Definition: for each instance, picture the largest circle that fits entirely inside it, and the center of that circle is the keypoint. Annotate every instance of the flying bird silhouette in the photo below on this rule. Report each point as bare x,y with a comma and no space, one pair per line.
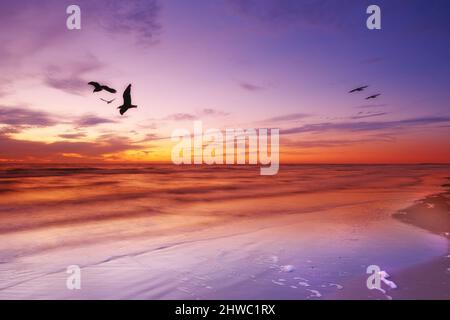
107,101
359,89
98,87
374,96
126,101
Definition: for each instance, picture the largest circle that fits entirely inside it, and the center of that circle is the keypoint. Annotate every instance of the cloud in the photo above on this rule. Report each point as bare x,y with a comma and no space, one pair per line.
366,126
9,130
90,120
133,17
138,17
362,115
23,39
250,87
207,112
19,17
25,43
332,143
71,85
17,116
153,137
368,106
14,149
181,117
72,76
287,117
72,135
213,112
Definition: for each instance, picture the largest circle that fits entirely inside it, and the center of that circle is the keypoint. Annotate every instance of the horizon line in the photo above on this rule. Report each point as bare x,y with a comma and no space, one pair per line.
228,165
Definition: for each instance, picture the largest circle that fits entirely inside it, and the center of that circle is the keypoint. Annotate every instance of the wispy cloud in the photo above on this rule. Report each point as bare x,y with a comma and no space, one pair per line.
250,87
7,130
181,117
18,56
72,135
139,17
21,57
70,85
369,106
72,76
90,120
364,115
153,137
207,112
287,117
366,126
18,116
213,112
333,143
23,149
134,17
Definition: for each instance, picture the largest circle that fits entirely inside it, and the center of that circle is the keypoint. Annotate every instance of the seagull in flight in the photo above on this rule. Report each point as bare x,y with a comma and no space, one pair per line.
359,89
107,101
98,87
374,96
126,101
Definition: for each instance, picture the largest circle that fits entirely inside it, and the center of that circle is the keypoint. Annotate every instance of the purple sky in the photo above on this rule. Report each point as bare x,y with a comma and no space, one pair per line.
248,63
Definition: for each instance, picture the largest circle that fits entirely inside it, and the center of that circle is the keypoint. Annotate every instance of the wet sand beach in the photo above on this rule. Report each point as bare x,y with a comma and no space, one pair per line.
167,232
430,280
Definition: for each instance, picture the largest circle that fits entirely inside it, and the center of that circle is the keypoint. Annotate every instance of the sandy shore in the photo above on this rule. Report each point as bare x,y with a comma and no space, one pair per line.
429,280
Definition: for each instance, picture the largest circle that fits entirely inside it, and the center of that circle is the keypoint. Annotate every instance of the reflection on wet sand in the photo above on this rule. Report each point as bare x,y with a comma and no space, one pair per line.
140,231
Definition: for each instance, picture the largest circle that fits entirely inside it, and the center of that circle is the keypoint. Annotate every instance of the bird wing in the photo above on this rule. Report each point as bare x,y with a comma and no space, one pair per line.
127,96
111,90
358,89
95,84
122,110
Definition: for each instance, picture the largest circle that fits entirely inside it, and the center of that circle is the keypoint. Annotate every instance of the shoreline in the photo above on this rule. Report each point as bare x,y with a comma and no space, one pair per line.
432,279
431,213
429,280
